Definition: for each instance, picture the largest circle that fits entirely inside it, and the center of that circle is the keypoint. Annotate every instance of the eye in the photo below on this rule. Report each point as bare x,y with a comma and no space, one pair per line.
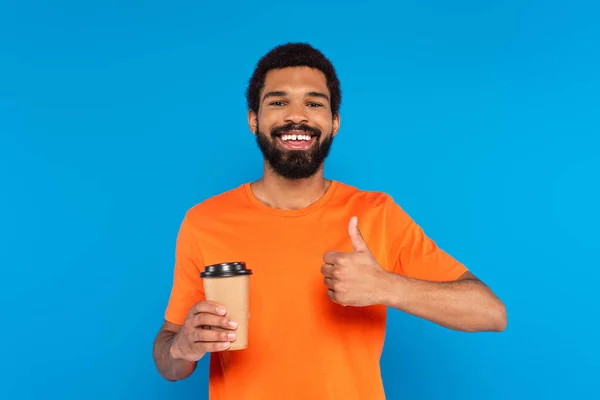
315,104
276,103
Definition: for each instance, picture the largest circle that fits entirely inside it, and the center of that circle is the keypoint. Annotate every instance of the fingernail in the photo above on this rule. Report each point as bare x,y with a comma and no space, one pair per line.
231,336
225,345
233,324
221,310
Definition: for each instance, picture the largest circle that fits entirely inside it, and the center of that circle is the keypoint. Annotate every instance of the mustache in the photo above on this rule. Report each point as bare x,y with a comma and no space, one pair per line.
280,130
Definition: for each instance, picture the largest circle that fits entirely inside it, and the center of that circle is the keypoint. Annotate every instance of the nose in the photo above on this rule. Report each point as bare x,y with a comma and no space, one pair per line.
296,113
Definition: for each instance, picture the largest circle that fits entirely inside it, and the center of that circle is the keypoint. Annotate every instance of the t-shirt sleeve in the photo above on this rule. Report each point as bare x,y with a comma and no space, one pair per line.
415,255
187,287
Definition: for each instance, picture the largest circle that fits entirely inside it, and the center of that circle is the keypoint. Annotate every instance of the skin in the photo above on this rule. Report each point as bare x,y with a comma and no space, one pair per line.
296,106
350,279
356,279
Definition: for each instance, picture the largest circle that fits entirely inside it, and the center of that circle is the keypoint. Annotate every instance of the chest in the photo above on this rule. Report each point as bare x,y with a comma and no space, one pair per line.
287,249
286,255
288,300
285,258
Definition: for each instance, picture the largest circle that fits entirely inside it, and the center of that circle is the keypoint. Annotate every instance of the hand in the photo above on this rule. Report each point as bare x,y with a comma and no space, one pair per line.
355,278
205,330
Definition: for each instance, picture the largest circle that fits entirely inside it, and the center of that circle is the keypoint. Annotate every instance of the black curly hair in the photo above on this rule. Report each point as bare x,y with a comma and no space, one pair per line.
293,55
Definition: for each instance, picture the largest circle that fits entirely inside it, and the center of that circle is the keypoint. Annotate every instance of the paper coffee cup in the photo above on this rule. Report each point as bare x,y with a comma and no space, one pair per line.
228,284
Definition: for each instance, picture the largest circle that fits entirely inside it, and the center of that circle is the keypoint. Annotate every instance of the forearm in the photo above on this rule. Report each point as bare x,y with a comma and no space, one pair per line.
167,363
465,305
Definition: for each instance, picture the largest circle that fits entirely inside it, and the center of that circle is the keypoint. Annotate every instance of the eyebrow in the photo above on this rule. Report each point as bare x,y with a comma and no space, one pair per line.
281,93
318,94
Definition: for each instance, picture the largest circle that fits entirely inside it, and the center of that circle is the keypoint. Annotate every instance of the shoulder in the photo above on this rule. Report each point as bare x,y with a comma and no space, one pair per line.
216,205
378,204
366,198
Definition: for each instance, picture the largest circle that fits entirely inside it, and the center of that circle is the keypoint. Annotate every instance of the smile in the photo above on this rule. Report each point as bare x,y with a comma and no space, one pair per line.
296,141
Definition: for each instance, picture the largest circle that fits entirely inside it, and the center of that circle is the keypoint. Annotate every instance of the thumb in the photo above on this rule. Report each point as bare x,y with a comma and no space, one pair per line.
358,242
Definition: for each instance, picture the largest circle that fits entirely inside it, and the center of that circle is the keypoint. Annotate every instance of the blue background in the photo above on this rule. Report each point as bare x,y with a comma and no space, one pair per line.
480,118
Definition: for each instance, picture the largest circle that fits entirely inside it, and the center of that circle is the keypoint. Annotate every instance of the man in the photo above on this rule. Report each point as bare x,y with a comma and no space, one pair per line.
327,259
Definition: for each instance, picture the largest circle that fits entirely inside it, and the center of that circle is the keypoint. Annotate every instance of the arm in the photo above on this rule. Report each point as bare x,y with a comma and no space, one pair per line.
185,292
186,334
430,283
423,282
169,367
466,304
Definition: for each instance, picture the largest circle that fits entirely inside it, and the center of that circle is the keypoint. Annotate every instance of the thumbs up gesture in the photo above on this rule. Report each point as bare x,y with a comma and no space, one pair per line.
354,278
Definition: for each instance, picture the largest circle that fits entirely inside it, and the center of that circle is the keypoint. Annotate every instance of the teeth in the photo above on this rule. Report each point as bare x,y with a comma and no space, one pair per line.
295,137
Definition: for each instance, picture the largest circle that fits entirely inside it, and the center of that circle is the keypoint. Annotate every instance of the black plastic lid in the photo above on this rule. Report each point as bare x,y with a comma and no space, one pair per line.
224,270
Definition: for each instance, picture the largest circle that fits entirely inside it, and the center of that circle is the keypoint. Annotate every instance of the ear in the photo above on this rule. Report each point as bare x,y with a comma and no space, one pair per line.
252,122
336,124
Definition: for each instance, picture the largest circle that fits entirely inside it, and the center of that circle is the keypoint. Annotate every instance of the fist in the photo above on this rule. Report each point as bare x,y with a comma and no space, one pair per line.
206,329
354,278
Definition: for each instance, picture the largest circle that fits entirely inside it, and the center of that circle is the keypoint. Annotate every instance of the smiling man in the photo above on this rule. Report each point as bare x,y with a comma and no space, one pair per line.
328,259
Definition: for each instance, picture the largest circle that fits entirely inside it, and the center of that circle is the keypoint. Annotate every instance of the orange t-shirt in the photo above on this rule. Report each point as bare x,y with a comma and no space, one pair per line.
301,344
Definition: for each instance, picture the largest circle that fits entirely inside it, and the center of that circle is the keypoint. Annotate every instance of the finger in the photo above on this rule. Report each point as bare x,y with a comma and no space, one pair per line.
212,347
327,270
214,321
331,295
209,307
328,282
358,242
209,335
331,257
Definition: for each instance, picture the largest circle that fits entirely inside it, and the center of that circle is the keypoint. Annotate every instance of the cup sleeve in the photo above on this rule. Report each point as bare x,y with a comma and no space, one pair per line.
413,254
187,288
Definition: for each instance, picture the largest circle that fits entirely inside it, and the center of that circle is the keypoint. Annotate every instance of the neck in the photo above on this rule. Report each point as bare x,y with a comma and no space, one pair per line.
285,194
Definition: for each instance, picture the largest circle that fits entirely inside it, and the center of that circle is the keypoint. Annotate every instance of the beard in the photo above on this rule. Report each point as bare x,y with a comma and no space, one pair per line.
294,164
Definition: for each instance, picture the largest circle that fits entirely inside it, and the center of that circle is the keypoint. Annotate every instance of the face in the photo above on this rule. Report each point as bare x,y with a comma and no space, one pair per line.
295,126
